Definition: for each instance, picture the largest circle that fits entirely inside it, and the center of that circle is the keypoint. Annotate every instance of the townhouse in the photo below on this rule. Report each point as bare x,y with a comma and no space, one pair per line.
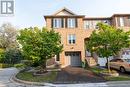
75,30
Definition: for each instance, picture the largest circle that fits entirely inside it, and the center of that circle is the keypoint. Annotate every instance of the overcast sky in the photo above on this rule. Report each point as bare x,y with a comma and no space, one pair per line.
31,12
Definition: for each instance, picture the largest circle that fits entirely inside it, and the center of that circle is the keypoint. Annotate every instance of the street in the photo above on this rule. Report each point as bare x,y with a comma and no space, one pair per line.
5,76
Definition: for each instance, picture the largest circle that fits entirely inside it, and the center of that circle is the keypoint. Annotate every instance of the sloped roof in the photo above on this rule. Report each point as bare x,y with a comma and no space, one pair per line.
66,10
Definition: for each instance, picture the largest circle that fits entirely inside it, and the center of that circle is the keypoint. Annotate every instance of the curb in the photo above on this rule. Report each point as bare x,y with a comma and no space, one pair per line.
118,82
26,82
14,79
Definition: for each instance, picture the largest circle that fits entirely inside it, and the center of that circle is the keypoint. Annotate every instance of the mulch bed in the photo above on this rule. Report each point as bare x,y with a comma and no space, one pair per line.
77,75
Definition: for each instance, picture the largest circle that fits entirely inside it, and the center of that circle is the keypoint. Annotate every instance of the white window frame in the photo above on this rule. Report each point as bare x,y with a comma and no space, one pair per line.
71,22
57,23
86,24
71,38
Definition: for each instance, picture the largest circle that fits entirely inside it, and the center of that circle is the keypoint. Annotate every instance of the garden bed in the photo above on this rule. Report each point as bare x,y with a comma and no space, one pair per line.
28,76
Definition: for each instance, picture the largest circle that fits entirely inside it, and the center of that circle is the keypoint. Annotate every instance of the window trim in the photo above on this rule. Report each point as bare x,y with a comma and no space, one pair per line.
71,39
57,22
71,23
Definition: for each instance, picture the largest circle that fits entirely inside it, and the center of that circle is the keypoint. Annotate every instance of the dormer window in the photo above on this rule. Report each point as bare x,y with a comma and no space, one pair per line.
71,22
57,23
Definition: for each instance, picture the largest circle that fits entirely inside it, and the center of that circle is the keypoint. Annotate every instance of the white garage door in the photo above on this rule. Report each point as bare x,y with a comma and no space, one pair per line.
72,59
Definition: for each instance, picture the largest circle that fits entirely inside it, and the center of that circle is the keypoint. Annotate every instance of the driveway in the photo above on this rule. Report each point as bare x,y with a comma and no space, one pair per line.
77,75
6,74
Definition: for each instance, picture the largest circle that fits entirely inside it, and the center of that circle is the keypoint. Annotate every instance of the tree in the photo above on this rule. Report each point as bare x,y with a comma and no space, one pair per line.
108,41
8,41
8,35
39,44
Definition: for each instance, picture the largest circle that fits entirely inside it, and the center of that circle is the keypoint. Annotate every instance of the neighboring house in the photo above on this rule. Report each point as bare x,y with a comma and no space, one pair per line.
75,30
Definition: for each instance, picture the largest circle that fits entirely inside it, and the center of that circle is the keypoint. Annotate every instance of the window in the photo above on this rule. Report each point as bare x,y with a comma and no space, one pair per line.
57,23
71,38
121,21
86,24
71,22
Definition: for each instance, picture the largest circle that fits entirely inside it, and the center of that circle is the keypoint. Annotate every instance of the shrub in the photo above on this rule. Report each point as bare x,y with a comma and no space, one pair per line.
12,56
2,51
27,62
3,65
20,65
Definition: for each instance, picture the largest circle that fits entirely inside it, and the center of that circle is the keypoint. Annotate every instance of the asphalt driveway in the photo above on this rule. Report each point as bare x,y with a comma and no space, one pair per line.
77,75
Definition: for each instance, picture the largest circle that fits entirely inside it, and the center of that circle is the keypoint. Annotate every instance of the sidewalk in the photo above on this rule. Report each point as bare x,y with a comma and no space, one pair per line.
118,83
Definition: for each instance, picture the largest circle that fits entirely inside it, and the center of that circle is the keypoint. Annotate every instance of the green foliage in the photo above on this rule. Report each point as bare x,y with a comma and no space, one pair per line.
2,51
20,65
3,65
39,44
27,62
12,56
108,41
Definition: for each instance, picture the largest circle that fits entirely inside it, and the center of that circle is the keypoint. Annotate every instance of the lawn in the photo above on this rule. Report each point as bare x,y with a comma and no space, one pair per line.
28,76
119,78
97,71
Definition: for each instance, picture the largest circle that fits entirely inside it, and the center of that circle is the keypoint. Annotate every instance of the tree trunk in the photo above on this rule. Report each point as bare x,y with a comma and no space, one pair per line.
108,66
43,67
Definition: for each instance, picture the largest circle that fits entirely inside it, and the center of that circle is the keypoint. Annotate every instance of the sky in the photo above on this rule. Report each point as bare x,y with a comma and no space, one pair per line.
30,13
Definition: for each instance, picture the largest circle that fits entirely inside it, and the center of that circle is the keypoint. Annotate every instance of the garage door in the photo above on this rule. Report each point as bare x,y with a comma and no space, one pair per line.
72,59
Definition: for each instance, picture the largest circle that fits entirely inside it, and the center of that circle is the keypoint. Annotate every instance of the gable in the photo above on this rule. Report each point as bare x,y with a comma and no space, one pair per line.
64,11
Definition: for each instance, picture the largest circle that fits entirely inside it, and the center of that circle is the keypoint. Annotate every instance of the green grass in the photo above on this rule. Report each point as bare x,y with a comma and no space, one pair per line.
119,78
97,71
28,76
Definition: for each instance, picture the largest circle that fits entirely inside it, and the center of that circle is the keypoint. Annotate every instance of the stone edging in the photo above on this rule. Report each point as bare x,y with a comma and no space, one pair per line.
14,79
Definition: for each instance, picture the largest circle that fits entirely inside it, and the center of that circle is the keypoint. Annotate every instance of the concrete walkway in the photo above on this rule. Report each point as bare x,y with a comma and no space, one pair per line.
6,74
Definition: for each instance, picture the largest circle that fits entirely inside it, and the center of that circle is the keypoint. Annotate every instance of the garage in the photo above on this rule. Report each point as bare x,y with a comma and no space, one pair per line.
72,59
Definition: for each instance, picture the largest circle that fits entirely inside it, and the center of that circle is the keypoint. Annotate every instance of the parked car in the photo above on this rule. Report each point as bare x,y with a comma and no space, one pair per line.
120,64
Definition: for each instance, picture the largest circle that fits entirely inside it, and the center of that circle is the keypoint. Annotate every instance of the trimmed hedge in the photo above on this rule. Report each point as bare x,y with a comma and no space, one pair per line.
3,65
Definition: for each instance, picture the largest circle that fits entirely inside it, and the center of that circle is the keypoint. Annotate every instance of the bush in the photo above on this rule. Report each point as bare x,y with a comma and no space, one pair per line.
12,56
2,51
3,65
20,65
27,62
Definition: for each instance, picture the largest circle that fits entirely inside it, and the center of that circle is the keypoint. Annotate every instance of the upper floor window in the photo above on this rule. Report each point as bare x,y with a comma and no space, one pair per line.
71,22
57,23
86,24
71,38
90,24
121,21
